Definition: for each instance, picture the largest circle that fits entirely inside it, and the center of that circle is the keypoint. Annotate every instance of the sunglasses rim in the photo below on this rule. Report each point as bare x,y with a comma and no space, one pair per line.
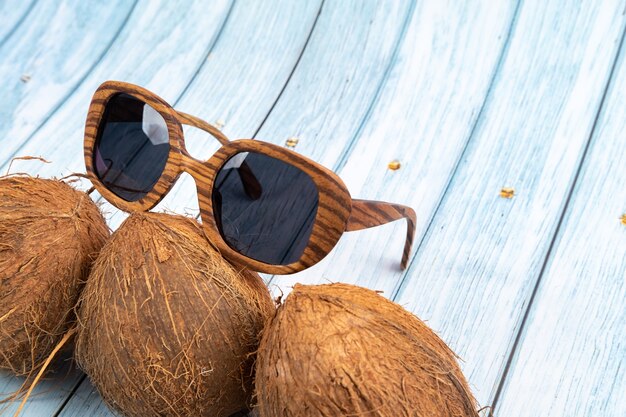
334,200
165,182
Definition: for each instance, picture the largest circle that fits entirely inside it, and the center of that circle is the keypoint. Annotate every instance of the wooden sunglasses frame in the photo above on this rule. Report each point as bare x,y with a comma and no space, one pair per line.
337,212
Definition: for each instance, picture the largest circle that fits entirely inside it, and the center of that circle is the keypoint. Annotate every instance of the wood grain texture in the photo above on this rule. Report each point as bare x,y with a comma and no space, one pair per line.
331,217
366,214
12,14
423,118
43,63
571,358
338,78
478,263
333,202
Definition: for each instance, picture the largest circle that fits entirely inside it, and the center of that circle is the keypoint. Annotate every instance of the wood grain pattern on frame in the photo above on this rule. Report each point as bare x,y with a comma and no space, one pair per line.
334,213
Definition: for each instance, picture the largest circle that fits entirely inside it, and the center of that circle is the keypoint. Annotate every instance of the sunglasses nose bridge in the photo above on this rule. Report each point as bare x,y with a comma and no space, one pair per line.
198,169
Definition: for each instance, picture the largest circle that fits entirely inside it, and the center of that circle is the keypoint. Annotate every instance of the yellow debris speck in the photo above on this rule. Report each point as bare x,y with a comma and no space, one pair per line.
623,219
394,165
291,142
507,192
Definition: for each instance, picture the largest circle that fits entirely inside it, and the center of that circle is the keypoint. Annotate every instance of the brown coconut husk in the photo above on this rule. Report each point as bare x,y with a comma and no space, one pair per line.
341,350
167,326
50,234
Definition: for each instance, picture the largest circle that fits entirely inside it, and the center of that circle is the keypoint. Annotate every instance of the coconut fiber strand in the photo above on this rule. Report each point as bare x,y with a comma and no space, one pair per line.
49,235
167,326
340,350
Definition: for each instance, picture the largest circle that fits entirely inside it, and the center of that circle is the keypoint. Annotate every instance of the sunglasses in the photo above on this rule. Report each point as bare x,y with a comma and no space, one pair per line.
262,206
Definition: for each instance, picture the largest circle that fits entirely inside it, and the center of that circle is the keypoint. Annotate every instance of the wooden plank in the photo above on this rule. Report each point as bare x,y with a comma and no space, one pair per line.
480,258
86,401
240,81
571,358
423,117
151,50
49,393
137,55
47,57
12,14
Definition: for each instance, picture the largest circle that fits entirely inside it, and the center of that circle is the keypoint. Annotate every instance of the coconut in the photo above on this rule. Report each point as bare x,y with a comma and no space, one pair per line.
167,326
49,235
341,350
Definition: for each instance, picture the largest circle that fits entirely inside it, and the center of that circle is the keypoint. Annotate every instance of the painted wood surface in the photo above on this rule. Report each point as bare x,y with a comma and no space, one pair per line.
558,63
481,256
13,13
571,358
43,63
168,58
469,97
49,395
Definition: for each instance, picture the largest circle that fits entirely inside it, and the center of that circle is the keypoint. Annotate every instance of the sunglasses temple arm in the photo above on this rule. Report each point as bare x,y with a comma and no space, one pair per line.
251,185
366,214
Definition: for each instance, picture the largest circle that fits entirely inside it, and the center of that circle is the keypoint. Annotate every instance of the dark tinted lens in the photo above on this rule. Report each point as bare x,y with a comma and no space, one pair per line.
132,147
264,207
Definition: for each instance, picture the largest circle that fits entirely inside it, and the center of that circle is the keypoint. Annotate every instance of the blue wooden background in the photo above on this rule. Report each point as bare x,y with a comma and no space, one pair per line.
469,96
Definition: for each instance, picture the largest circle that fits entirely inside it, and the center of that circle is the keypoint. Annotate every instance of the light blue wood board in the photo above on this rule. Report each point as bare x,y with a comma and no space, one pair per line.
86,402
475,272
535,123
481,256
12,14
339,77
41,64
240,82
571,358
48,395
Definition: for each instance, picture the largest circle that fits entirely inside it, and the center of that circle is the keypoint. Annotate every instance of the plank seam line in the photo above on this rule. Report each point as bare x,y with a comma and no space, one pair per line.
75,87
522,328
210,48
17,24
479,119
67,399
347,151
293,70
